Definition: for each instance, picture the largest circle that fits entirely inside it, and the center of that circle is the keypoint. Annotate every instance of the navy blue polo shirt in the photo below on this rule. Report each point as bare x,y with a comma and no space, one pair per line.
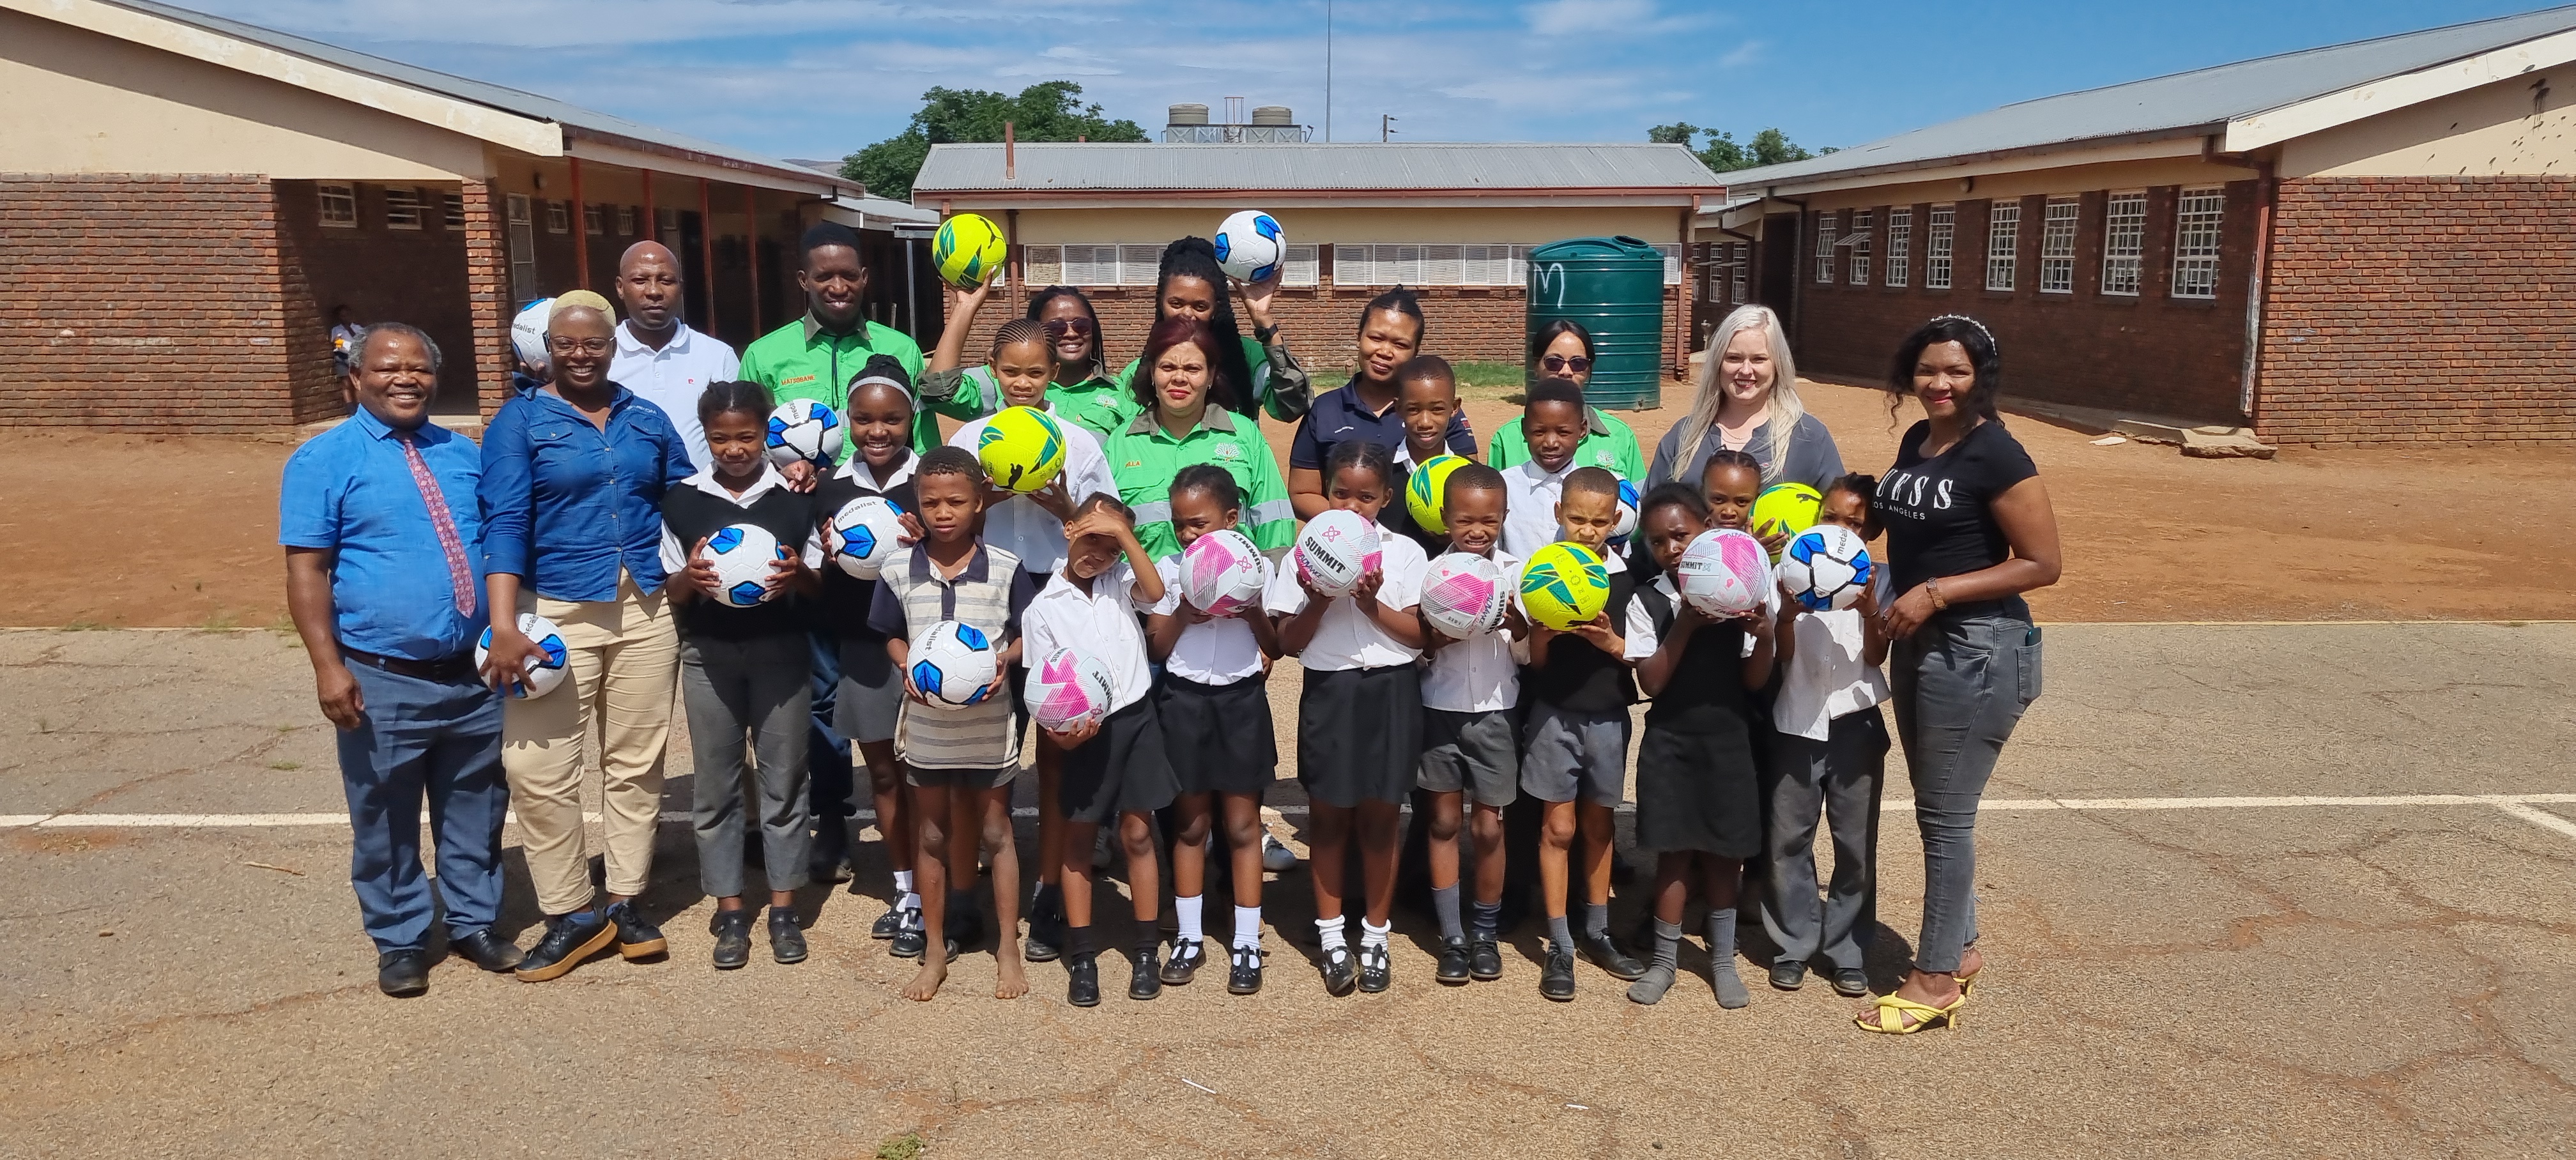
1338,416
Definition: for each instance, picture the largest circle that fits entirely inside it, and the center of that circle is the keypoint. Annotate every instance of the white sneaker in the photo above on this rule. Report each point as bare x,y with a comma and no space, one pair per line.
1276,858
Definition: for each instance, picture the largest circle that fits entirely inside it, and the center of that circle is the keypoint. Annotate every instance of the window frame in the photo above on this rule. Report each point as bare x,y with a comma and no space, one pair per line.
558,216
1896,272
625,221
1739,272
520,229
2057,237
2198,259
451,210
2118,258
1941,226
404,209
2003,245
594,219
342,193
1827,224
1864,224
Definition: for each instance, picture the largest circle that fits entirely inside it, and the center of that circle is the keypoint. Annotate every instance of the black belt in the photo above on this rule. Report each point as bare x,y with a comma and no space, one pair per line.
455,670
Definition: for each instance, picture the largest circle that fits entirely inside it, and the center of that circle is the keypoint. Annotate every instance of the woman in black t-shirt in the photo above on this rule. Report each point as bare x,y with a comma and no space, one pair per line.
1969,529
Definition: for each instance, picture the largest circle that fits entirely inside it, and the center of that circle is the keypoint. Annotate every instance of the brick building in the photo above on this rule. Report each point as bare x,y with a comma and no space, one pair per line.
2364,244
184,199
1453,221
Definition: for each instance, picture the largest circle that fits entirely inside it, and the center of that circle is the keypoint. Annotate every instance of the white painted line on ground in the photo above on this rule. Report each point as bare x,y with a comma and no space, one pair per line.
2541,818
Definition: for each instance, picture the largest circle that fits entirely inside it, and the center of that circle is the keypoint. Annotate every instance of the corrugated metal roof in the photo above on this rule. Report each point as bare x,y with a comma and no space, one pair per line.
2197,101
456,87
1407,166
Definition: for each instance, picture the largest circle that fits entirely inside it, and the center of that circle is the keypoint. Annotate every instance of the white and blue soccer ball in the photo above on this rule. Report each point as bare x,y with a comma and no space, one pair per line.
807,430
543,672
742,554
1250,246
863,534
1825,567
951,664
1627,525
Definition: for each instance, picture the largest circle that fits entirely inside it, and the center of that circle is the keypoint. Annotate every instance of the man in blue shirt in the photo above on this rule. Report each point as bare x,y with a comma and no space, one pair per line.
384,573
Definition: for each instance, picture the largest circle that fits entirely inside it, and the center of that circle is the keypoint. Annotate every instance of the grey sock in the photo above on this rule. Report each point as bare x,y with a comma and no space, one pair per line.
1721,960
1650,987
1559,938
1444,900
1596,920
1489,919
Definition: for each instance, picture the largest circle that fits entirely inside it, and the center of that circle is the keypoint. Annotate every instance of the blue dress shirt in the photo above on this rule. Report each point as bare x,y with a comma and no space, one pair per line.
566,504
350,489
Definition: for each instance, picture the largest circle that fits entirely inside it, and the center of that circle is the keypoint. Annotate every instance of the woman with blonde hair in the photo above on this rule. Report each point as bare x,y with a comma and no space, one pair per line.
1748,401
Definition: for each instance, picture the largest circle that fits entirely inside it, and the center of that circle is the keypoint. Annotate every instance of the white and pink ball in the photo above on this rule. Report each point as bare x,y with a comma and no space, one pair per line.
1336,549
1723,572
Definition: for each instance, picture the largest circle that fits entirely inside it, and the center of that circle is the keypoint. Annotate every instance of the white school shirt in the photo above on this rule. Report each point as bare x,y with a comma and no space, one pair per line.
1348,638
673,377
1101,624
675,555
1479,674
1211,652
1018,523
1529,515
1827,678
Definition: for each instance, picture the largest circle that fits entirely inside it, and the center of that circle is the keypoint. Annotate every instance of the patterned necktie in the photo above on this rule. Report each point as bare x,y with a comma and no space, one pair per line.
459,573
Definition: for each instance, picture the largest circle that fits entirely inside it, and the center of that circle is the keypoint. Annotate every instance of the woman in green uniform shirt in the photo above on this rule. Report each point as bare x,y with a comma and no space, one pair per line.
1563,350
1265,376
1187,417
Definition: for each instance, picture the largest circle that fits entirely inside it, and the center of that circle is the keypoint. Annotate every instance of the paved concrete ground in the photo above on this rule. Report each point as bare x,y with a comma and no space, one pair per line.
2267,976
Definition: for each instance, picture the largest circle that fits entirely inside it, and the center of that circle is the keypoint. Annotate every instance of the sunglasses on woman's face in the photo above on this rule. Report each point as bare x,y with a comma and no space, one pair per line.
1068,328
1558,364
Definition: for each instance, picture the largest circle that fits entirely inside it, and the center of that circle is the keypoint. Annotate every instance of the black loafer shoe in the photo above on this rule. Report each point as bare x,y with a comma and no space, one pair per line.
1082,980
1376,971
732,929
487,950
1788,974
965,932
1046,935
569,939
403,974
636,938
1147,979
1037,949
1453,962
1605,954
1243,975
887,925
786,942
1556,977
1484,960
1850,982
1339,973
909,937
1188,955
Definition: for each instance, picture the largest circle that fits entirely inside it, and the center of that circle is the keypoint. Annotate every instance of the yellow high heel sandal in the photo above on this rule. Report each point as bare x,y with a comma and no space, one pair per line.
1968,982
1890,1015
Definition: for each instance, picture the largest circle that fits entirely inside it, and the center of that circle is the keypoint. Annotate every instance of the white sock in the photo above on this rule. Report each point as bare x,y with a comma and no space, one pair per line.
1372,935
1247,927
903,883
1330,930
1188,911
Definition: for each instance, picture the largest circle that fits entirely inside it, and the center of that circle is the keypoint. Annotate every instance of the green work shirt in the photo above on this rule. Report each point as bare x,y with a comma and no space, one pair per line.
1096,403
1606,443
1143,458
801,360
1279,385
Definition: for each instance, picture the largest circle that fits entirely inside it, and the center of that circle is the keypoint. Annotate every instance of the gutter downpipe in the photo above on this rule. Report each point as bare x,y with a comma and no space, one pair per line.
2267,191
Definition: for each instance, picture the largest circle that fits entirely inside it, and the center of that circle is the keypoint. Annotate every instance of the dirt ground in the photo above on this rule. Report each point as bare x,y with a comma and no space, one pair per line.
2150,535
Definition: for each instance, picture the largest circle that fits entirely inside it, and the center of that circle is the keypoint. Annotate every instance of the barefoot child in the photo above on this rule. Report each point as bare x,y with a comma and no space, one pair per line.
1471,738
1114,768
1359,719
959,761
1214,704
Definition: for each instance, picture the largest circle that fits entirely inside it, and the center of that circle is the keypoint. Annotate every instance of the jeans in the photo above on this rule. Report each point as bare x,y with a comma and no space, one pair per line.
748,695
424,739
1840,778
1961,683
833,798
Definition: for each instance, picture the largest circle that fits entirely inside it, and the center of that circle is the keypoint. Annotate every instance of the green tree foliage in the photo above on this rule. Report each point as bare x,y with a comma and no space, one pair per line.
1047,111
1724,153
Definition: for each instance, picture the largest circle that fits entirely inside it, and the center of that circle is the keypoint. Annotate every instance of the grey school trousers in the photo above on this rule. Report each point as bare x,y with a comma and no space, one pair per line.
1840,778
749,698
1961,683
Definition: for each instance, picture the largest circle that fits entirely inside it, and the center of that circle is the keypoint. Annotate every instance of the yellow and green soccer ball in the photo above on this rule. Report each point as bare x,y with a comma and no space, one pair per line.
1022,449
967,250
1564,584
1785,509
1426,490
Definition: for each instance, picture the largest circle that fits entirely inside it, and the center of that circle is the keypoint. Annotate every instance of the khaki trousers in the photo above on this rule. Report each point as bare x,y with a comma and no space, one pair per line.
624,657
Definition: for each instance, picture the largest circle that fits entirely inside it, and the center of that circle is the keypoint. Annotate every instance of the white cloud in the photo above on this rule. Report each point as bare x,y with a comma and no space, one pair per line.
1742,54
1561,17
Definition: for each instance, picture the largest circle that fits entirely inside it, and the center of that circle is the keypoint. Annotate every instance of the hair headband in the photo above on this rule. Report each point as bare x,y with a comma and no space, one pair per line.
887,380
1981,327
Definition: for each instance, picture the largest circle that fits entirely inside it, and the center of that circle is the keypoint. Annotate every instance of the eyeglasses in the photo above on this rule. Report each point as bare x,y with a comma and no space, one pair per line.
1068,328
594,346
1558,364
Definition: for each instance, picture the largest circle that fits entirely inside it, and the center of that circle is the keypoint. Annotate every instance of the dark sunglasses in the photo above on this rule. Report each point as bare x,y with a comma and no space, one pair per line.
1068,328
1559,364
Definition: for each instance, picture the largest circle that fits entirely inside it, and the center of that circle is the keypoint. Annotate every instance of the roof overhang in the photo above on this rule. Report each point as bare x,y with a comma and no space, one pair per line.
611,149
2318,114
1320,198
2157,146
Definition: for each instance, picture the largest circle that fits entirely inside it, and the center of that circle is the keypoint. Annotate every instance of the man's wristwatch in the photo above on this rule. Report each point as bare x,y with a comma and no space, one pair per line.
1263,334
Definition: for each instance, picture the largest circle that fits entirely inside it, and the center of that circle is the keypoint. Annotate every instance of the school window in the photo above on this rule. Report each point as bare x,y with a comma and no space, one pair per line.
452,208
339,205
594,219
2003,246
626,221
402,208
1900,245
1399,264
558,218
1825,223
2124,242
1672,252
2057,248
2195,273
1735,271
523,247
1858,244
1303,267
1937,231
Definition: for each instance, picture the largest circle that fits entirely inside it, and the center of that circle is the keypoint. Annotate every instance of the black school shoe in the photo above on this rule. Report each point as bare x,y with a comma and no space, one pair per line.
1082,980
569,939
1339,975
1484,960
487,950
636,938
1605,954
1243,976
786,942
1850,982
1454,968
1556,976
403,974
1045,942
1146,981
887,925
1376,970
1188,955
732,929
1788,974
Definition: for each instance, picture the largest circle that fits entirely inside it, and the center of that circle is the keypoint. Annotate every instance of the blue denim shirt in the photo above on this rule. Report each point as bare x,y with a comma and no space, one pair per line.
350,490
566,504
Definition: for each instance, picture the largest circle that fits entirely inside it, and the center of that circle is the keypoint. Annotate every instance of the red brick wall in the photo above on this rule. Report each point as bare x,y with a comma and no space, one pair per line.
149,303
2420,310
487,294
382,274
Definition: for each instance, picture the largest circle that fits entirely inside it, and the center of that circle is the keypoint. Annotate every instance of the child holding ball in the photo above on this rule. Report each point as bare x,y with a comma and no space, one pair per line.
1471,737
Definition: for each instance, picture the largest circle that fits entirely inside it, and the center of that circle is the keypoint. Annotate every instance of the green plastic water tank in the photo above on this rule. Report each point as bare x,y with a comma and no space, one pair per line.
1615,288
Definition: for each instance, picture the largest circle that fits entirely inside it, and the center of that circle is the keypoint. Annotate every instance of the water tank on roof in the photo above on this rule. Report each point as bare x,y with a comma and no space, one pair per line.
1615,287
1188,115
1273,115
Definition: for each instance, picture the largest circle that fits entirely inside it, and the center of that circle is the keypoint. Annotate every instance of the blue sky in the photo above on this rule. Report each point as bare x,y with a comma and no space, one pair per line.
819,78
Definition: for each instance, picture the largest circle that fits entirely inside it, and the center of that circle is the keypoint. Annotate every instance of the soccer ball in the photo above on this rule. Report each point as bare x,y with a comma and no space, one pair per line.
1785,509
1723,572
802,429
1068,689
528,331
1564,584
1827,566
863,534
1022,449
742,554
1249,246
1464,595
1627,525
967,250
951,662
544,673
1336,549
1221,572
1426,491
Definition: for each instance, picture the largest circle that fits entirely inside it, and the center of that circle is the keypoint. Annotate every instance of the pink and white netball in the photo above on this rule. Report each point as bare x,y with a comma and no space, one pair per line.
1069,689
1336,549
1465,595
1221,572
1723,572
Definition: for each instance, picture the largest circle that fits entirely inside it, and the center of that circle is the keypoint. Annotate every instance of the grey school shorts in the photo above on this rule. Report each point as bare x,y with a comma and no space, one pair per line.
928,777
1567,754
1475,753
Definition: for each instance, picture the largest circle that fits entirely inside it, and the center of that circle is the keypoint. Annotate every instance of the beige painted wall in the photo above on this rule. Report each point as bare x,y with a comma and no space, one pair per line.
1515,226
79,102
2522,127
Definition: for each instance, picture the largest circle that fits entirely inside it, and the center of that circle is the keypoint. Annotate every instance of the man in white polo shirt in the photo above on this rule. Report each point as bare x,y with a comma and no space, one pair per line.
660,357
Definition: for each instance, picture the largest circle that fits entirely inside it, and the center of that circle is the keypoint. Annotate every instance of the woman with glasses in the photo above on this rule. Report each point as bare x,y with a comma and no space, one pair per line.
573,476
1563,350
1748,401
1190,284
